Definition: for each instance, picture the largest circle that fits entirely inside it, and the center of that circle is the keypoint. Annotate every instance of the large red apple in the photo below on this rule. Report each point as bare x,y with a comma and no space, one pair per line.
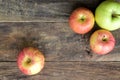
30,61
102,42
81,20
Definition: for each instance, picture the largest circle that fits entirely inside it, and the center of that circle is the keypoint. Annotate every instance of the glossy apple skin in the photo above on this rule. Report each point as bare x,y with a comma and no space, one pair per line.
104,18
36,63
77,24
102,42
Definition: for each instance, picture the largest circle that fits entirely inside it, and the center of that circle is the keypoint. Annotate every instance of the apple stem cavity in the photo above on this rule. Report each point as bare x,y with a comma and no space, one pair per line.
82,18
104,38
28,61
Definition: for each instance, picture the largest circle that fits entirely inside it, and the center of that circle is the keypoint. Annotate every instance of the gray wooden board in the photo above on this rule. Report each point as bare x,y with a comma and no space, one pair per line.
44,24
41,10
56,40
65,71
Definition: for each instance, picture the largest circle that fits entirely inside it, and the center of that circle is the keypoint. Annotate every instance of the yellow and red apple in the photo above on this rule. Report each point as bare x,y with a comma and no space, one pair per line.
102,42
30,61
81,20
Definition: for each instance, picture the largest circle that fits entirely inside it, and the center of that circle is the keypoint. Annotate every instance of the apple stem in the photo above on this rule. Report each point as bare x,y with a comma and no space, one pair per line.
115,15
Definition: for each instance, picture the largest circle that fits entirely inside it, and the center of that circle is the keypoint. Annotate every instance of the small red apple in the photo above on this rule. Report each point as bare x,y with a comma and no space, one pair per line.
30,61
81,20
102,42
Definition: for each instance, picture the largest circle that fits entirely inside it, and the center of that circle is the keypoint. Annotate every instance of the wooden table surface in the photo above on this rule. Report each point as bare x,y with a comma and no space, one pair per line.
44,24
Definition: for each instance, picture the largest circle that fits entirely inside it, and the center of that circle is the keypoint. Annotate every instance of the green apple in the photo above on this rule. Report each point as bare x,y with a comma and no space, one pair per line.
107,15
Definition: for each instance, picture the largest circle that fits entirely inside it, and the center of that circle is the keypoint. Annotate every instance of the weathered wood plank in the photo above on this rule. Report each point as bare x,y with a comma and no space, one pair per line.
56,40
41,10
65,71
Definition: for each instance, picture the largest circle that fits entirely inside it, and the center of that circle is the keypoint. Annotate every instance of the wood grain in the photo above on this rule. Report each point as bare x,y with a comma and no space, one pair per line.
44,24
65,71
41,10
56,40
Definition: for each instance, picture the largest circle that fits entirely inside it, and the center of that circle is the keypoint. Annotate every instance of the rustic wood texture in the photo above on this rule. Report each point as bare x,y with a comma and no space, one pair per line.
65,71
56,40
41,10
44,24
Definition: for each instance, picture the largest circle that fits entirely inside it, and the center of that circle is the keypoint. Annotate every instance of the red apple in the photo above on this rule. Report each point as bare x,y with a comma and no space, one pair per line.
30,61
102,42
81,20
